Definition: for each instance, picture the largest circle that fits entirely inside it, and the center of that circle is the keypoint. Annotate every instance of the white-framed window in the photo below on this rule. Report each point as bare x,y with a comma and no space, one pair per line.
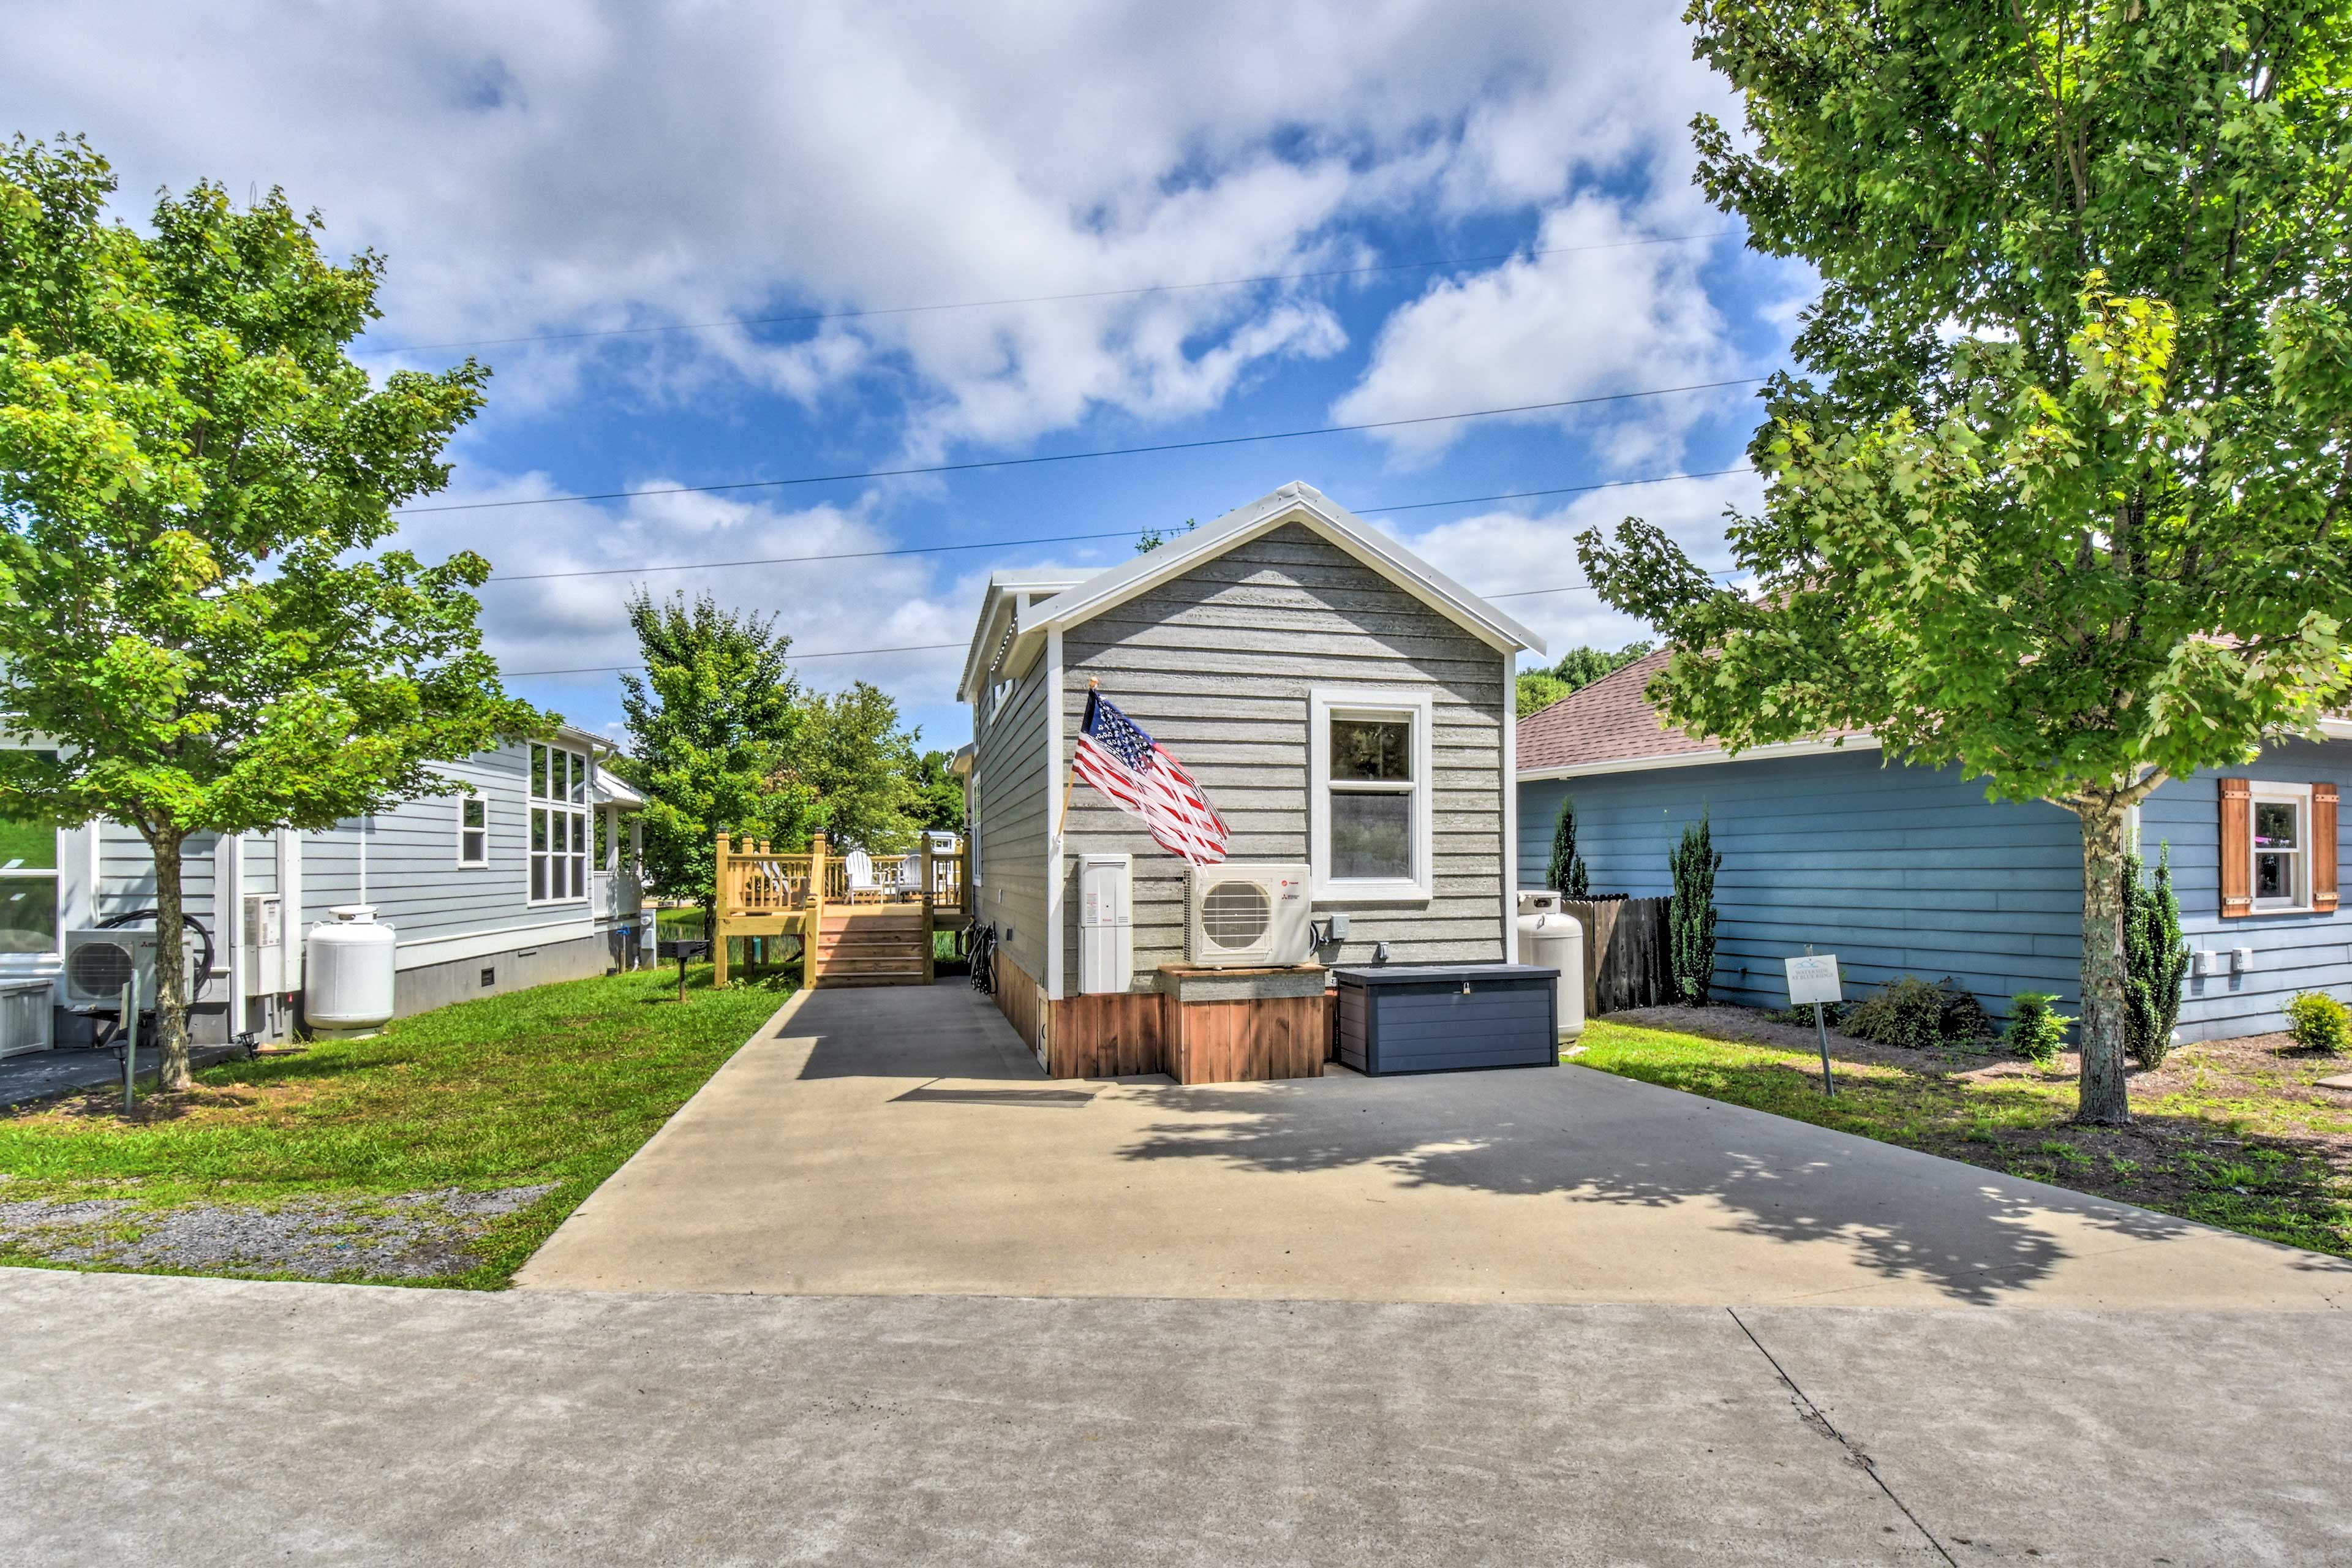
559,825
2279,858
1371,795
472,830
29,887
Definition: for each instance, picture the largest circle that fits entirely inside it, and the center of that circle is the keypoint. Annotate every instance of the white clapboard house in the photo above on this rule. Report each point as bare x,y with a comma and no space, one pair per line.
530,878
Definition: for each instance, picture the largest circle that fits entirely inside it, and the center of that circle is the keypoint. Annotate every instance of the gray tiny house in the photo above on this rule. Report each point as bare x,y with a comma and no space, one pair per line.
1242,648
1901,869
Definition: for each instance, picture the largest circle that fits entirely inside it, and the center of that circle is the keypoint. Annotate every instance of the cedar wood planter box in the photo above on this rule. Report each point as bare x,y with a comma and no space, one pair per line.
1448,1017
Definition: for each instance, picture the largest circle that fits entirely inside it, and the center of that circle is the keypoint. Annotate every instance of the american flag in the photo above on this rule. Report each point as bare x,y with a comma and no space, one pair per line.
1141,779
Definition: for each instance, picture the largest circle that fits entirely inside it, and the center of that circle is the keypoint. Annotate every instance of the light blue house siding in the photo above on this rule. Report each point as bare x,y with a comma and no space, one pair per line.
1907,870
2291,952
1897,870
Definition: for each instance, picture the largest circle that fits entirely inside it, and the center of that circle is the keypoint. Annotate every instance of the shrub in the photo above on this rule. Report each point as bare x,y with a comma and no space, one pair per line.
2036,1028
2155,959
1909,1011
1690,914
2319,1021
1566,875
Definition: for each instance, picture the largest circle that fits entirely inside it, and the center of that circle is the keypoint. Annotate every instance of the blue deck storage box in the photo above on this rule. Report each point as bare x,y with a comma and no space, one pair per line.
1398,1019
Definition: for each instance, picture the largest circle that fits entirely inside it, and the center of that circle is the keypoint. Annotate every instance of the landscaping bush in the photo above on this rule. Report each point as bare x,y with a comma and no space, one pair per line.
2036,1029
2318,1022
1566,875
2155,959
1909,1011
1690,914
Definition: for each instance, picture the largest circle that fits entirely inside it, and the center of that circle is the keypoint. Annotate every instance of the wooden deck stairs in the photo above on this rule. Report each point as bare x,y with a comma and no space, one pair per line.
874,944
875,930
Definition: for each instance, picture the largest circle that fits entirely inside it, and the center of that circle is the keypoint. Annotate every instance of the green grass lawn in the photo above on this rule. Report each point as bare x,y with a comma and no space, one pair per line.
2232,1133
558,1085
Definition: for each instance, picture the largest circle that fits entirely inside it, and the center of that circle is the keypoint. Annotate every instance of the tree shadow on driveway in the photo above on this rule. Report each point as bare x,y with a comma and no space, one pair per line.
1587,1139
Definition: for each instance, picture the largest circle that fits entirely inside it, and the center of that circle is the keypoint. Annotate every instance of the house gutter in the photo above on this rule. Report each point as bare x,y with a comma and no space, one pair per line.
1863,743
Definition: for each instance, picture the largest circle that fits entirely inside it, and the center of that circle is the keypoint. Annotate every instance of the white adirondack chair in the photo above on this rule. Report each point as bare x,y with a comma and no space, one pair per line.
858,866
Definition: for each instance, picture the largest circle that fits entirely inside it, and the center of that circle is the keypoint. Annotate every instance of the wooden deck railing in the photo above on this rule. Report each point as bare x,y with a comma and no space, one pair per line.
762,893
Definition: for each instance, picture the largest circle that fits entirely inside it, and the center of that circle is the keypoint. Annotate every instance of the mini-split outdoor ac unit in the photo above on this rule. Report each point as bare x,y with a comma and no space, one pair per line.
1238,914
98,964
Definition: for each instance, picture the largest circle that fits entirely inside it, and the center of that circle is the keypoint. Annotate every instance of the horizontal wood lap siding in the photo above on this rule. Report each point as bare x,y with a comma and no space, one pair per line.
1217,665
2296,952
1897,870
1009,804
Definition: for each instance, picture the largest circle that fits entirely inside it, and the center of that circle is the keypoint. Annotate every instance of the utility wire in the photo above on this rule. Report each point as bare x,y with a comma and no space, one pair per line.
1070,537
1099,452
939,646
1038,298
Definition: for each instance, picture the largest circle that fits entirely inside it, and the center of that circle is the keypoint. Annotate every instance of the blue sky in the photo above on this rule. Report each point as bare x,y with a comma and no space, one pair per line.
573,169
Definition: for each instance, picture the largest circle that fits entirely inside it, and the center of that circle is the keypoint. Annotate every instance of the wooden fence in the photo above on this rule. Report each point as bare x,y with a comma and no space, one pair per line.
764,892
1625,952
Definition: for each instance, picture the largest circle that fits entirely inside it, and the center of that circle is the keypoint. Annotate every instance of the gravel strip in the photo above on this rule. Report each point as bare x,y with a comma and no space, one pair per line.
409,1235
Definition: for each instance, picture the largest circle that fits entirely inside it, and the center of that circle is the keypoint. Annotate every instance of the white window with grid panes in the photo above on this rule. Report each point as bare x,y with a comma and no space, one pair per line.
559,825
472,830
2279,816
1370,796
28,887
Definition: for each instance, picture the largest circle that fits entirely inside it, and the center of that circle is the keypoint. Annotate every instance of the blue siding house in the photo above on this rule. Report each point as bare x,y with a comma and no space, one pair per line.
1901,869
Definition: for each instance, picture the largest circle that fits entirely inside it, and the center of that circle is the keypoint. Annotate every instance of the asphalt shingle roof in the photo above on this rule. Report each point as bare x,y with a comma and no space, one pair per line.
1609,720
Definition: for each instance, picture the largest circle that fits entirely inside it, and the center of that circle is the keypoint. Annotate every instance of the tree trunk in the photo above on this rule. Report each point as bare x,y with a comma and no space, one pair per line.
2104,1099
171,973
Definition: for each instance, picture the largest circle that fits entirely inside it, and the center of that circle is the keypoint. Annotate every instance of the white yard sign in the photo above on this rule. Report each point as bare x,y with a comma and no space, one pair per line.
1813,978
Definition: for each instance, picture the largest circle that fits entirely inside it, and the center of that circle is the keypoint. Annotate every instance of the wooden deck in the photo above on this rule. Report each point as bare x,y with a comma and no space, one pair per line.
875,927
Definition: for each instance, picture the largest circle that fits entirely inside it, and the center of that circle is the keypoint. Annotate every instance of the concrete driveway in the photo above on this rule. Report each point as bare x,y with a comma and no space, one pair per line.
902,1142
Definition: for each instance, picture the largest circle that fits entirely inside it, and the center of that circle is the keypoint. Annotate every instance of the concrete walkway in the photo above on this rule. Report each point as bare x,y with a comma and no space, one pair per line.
198,1422
892,1141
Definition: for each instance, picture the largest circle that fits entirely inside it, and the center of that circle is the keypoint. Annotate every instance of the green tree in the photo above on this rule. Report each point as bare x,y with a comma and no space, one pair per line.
713,726
1153,537
1578,668
2156,958
191,471
1566,874
859,768
939,802
1690,913
2061,500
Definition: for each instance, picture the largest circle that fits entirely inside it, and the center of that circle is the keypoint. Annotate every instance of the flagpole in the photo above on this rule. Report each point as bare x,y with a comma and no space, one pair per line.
1070,784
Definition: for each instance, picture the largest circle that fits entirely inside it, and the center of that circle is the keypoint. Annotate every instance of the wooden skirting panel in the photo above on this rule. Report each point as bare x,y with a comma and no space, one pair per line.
1107,1037
1245,1042
1017,999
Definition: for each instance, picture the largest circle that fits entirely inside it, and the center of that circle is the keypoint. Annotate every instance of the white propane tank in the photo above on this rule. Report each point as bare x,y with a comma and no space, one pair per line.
348,973
1550,938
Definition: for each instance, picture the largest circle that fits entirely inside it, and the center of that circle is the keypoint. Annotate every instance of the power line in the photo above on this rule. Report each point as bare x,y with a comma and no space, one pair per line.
939,646
805,316
1070,537
1099,452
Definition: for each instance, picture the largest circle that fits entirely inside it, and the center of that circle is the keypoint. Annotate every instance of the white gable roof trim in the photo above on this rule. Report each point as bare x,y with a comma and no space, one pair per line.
1294,502
1000,617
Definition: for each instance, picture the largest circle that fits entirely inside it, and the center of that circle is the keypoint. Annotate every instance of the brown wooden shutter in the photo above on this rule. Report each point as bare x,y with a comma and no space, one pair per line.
2322,848
2237,849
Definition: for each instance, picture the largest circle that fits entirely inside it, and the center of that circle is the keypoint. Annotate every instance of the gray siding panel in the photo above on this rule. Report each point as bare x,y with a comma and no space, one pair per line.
1218,665
1011,801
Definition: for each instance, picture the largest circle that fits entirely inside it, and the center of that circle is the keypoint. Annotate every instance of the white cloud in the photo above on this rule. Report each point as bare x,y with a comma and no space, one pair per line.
1506,553
551,165
1549,328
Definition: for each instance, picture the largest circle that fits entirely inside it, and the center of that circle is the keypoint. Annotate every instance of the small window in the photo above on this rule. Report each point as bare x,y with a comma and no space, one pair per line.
1370,801
2280,819
473,831
28,885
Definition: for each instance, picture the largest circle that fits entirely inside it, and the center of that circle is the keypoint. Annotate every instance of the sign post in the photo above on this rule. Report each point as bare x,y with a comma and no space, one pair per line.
1814,979
130,1040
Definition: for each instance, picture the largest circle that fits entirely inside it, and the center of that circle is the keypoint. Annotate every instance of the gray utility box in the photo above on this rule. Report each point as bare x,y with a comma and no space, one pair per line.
1447,1017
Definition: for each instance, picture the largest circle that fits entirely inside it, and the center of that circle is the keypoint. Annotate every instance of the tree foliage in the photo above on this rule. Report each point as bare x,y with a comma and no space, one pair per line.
1578,668
939,794
2156,958
2061,498
195,478
859,768
1566,874
1690,913
712,726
